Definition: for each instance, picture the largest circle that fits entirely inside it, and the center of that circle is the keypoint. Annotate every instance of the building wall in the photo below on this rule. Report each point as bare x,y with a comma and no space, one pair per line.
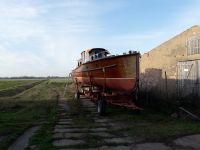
158,66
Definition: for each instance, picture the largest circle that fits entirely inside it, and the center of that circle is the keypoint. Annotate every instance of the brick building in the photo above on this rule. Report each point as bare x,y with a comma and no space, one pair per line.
173,68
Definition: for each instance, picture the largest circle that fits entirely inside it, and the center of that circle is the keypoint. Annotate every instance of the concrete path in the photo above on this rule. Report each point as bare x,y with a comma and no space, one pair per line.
1,138
188,142
103,136
22,142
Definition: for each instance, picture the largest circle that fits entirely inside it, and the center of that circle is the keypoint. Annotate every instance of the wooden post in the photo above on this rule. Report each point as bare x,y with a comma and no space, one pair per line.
166,86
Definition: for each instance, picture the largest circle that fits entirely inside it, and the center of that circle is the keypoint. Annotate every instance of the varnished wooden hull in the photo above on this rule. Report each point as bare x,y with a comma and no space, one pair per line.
117,72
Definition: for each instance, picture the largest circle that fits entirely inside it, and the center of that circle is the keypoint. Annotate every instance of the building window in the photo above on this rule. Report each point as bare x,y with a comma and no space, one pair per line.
193,45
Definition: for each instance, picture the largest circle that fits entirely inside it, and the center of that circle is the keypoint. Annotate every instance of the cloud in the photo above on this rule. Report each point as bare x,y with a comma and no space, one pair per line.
18,12
58,35
18,21
46,37
14,63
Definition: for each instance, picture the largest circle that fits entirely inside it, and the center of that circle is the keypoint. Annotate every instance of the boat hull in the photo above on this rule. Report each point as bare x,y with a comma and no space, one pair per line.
117,72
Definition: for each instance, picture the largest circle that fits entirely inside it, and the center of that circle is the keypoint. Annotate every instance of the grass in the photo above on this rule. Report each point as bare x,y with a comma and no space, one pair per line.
43,137
152,126
17,89
60,80
33,106
39,105
5,84
148,125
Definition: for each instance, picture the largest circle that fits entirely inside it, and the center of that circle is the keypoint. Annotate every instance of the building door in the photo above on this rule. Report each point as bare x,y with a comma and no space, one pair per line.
188,78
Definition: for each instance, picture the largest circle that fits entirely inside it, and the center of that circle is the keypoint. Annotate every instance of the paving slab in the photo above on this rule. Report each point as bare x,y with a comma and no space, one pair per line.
183,148
101,126
61,109
102,120
65,122
67,142
102,134
81,149
91,114
67,135
95,113
58,135
64,106
33,147
74,135
112,124
89,110
1,138
192,141
77,130
99,129
115,148
63,114
119,140
104,124
151,146
88,103
66,126
88,107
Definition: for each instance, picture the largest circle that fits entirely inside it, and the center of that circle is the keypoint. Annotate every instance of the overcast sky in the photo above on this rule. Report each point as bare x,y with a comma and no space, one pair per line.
46,37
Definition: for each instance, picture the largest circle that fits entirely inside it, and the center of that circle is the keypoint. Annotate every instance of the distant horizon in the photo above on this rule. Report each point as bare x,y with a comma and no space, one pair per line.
45,38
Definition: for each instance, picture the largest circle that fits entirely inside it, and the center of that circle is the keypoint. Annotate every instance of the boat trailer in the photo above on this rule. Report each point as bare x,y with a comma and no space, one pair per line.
103,97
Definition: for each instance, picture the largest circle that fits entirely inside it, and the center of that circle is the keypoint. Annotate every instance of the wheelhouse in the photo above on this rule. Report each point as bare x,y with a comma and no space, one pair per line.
93,54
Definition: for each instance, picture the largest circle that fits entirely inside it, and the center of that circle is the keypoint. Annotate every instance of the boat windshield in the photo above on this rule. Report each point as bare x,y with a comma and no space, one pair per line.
98,55
93,54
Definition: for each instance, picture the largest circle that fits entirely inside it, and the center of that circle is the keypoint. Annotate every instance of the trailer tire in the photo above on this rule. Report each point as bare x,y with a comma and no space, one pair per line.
77,95
101,106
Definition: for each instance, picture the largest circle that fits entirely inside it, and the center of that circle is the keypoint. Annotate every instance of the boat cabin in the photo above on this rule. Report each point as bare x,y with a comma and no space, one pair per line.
92,54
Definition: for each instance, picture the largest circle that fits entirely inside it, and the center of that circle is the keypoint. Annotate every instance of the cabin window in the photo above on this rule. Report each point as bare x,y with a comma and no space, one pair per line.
193,45
79,63
96,54
83,56
100,55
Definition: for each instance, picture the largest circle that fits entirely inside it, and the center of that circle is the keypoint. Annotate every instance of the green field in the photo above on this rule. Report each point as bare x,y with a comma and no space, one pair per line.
33,106
6,84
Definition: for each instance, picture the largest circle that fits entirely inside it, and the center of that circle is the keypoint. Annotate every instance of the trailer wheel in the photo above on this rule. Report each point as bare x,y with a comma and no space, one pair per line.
77,95
101,106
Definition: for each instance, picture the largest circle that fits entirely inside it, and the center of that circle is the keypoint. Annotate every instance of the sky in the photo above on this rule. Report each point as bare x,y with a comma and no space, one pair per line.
46,37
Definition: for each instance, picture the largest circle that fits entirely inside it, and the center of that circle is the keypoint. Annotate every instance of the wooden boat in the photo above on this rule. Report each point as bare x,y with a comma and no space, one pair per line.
110,74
